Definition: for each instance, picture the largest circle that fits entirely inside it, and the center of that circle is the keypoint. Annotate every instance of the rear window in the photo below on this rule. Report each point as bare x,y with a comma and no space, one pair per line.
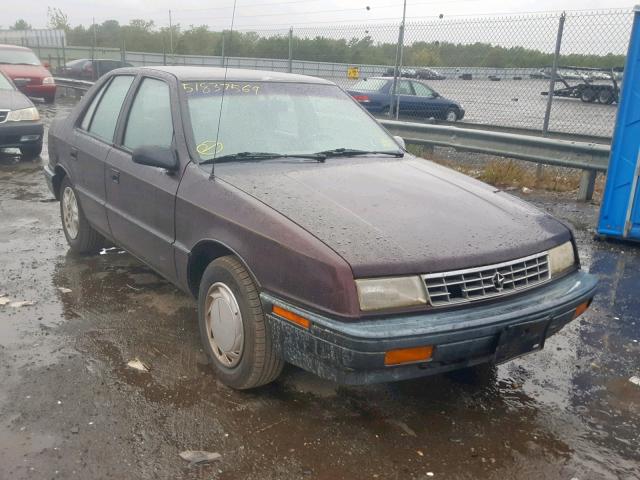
371,85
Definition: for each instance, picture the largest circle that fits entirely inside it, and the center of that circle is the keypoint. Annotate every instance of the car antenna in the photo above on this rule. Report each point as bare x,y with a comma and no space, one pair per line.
224,88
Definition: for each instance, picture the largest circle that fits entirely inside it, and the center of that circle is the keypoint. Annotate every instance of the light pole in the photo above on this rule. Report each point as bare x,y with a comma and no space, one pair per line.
398,67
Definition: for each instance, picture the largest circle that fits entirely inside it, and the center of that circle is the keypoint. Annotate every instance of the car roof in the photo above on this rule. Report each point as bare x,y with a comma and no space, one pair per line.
13,47
390,78
233,74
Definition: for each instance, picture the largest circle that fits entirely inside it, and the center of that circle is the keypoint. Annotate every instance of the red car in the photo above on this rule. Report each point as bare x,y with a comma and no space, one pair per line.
26,71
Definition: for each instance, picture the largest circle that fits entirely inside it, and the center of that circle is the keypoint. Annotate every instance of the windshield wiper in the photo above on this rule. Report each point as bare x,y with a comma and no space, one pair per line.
257,156
351,152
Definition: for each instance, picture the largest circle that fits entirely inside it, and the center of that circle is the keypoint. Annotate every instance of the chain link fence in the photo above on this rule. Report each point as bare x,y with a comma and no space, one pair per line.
501,69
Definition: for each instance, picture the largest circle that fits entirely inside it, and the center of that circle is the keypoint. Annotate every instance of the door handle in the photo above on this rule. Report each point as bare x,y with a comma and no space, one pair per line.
74,153
115,175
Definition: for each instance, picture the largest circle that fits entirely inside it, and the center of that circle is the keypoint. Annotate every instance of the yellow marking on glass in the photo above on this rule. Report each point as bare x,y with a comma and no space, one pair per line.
209,147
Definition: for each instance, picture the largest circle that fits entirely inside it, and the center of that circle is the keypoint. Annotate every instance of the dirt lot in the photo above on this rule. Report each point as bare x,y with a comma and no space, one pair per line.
71,408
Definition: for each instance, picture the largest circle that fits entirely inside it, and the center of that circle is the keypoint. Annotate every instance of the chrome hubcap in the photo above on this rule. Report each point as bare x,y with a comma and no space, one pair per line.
70,212
224,324
451,117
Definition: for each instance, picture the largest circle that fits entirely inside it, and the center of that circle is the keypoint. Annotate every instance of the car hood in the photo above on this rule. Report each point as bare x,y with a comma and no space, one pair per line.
13,100
27,71
388,216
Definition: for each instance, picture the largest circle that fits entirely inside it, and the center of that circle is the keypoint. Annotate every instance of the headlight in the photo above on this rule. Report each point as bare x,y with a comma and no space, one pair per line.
24,115
561,258
48,81
382,293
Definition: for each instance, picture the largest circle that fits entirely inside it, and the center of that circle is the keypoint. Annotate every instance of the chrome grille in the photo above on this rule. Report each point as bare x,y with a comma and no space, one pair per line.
3,115
473,284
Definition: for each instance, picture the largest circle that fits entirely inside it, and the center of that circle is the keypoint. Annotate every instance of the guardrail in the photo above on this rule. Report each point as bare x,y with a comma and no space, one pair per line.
591,158
82,85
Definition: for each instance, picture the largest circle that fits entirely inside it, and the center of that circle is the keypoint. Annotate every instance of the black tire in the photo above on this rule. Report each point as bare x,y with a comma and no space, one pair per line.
451,115
50,98
87,240
29,152
588,95
259,362
606,96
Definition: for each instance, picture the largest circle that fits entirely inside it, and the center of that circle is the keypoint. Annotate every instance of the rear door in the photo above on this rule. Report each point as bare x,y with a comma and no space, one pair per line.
91,142
141,199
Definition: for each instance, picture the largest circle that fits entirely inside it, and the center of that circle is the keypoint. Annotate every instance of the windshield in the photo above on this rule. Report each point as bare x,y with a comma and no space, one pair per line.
4,83
371,85
26,57
285,118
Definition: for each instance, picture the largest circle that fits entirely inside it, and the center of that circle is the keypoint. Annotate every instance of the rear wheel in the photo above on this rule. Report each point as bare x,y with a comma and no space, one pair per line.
606,96
233,328
588,95
80,235
29,152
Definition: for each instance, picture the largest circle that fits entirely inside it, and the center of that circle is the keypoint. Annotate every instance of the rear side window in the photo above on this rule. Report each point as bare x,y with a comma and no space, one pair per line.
149,120
88,115
105,115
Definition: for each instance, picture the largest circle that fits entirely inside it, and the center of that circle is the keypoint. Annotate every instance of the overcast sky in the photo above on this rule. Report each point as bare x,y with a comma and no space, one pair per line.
277,14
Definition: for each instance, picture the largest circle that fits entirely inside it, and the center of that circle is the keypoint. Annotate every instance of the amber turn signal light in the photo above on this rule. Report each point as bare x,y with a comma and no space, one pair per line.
580,309
408,355
292,317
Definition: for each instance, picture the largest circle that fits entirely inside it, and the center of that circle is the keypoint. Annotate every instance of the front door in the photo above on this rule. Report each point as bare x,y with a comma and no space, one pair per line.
140,198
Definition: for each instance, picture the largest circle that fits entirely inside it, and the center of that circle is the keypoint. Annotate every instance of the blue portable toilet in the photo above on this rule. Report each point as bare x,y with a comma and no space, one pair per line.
620,210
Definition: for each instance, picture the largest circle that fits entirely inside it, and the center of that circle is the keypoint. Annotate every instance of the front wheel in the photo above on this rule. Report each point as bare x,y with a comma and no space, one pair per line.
29,152
80,235
233,329
588,95
451,115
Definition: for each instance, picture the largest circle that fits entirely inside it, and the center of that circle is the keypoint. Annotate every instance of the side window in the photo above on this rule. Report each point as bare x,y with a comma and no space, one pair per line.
149,120
104,120
422,90
404,88
88,115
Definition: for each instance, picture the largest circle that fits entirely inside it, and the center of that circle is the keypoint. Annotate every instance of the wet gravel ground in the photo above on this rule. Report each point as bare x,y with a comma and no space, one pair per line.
71,408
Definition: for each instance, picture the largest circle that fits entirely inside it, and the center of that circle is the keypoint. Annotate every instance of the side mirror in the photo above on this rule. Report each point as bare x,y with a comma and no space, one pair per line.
400,141
436,95
46,65
152,156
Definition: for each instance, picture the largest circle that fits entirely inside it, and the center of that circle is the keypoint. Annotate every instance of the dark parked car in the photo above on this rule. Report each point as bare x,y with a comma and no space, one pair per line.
406,72
87,69
20,125
416,99
26,71
429,74
304,230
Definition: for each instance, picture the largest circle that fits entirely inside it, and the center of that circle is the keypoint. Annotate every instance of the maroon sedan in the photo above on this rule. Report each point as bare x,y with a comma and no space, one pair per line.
305,231
26,71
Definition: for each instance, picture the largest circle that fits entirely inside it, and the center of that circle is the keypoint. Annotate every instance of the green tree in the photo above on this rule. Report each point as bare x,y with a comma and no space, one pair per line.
57,19
20,24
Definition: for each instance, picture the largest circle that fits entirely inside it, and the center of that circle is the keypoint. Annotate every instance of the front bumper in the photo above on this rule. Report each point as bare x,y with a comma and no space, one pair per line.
353,352
20,134
39,91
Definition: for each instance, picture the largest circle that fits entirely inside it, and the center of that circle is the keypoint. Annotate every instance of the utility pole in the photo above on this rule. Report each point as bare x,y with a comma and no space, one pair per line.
398,66
93,48
170,34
